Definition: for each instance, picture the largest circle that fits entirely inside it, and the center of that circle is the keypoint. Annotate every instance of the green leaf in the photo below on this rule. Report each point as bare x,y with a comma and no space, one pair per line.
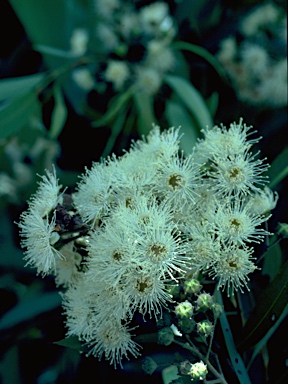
212,103
28,309
260,345
279,168
18,85
169,374
192,99
15,114
178,115
268,310
118,103
70,342
144,105
203,53
235,358
116,129
59,114
272,261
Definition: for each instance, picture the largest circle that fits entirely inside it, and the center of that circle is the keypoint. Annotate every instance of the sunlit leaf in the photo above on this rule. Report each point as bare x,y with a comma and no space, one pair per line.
235,358
177,115
192,99
268,310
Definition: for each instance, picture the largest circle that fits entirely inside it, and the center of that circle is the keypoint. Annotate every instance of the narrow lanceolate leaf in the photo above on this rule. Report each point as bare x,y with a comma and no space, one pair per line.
192,99
70,342
235,358
268,310
59,114
27,309
117,105
279,168
144,105
17,86
202,52
177,115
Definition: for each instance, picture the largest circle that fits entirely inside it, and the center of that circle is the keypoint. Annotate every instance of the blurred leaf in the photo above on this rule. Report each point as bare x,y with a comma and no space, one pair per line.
268,310
169,374
272,261
279,168
212,103
59,114
116,129
144,105
46,23
55,51
235,358
14,115
16,86
260,345
70,342
178,115
117,104
202,52
9,367
28,309
192,99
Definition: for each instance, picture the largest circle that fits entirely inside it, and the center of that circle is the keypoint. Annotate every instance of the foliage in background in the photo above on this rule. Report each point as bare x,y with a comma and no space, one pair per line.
38,108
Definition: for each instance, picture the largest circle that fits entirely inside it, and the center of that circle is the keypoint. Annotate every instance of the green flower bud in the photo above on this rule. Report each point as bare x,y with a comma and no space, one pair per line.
186,325
165,336
217,310
204,301
198,371
185,367
184,310
205,328
149,365
192,286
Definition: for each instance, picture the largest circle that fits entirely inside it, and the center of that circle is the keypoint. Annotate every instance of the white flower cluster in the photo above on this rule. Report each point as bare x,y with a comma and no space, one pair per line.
152,216
257,62
136,43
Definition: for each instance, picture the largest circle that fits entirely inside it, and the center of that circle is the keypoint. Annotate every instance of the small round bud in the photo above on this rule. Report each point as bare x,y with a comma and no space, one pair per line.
185,367
173,290
217,310
165,336
205,328
149,365
192,286
204,301
282,230
186,325
198,371
184,310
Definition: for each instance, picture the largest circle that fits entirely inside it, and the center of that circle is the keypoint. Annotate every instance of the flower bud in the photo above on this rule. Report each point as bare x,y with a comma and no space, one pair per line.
149,365
217,310
186,325
204,301
165,336
205,328
192,286
184,310
185,367
198,371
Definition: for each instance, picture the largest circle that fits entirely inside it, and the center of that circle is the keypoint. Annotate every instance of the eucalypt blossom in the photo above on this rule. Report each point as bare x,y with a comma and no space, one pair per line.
138,230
